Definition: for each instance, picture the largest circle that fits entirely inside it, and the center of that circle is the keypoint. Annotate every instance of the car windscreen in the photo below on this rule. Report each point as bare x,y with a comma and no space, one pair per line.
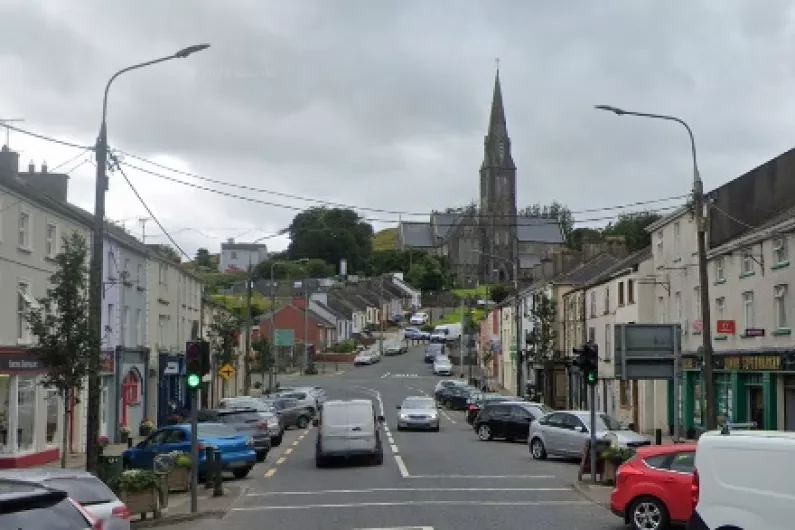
214,431
62,516
418,403
84,490
342,416
239,417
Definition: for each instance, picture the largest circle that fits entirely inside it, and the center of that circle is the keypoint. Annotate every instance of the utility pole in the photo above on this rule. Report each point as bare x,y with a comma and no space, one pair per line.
274,348
461,342
246,358
517,309
380,313
470,337
306,325
142,221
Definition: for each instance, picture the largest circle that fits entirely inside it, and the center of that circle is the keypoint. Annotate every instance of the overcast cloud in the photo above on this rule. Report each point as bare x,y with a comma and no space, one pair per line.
384,105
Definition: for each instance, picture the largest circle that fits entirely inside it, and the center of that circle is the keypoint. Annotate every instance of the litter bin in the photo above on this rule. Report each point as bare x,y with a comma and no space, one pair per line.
109,469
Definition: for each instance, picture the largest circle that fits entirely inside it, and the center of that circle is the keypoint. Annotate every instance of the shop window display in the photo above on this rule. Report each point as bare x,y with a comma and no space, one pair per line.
5,395
26,396
53,408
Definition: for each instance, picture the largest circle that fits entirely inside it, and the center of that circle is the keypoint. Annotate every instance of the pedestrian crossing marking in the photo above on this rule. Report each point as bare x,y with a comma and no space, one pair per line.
399,528
405,376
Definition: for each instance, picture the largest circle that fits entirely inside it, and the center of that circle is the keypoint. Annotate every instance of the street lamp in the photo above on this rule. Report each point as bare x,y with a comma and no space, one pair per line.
517,316
698,206
95,280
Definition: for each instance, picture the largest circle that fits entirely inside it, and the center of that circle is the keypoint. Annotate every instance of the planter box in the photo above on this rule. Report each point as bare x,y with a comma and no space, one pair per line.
179,479
142,502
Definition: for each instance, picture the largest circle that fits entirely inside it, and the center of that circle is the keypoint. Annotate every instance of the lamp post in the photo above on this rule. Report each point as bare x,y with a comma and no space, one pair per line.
698,206
95,278
517,316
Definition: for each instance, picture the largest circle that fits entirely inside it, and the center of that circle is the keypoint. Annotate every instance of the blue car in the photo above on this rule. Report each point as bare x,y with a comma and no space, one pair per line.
412,333
237,450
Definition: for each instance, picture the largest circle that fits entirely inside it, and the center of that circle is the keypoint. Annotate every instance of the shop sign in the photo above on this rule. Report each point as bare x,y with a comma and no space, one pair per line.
742,363
697,327
726,327
21,363
108,360
754,332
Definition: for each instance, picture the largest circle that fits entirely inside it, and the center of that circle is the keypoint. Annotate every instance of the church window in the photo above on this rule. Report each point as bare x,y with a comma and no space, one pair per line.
502,151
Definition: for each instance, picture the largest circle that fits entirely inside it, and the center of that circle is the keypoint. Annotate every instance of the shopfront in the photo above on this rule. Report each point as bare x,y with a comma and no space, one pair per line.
172,397
31,416
132,390
746,388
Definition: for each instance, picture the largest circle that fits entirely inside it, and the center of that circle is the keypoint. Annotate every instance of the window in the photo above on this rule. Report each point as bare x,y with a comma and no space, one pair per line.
109,326
662,317
719,270
677,236
26,407
593,304
748,310
591,334
608,353
24,230
678,302
126,270
6,420
630,291
111,265
125,319
720,308
25,302
660,242
782,322
51,241
620,293
163,273
683,462
607,300
780,254
748,263
625,393
162,326
697,302
137,330
54,409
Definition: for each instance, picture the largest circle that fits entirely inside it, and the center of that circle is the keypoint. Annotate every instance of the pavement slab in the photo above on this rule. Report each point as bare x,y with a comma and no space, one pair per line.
428,481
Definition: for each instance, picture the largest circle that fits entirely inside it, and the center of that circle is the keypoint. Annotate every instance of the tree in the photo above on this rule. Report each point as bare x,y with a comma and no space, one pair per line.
60,325
555,210
543,338
203,258
168,252
331,234
264,359
224,333
498,293
632,227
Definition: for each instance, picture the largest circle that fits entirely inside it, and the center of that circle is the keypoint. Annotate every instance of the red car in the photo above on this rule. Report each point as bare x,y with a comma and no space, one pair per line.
653,489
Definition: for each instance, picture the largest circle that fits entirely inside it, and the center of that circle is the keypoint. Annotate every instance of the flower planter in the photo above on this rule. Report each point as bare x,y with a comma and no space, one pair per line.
123,437
144,430
179,479
142,502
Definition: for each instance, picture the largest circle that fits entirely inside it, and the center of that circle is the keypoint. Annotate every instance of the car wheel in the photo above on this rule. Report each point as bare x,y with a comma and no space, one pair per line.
648,513
484,433
320,462
378,458
261,456
276,441
242,473
303,422
537,449
436,429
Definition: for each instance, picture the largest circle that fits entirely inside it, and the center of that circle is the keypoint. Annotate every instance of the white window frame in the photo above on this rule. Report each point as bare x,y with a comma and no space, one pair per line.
660,239
24,229
139,272
25,296
677,239
163,273
748,310
720,308
125,318
51,240
607,300
780,293
593,304
126,270
747,262
112,268
780,251
720,272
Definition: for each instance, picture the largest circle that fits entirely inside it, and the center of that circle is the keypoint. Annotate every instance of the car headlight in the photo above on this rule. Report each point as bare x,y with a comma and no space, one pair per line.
404,416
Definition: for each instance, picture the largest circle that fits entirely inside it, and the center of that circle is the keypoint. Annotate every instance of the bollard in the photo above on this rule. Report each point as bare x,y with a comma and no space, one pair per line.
658,436
218,483
336,366
129,442
209,467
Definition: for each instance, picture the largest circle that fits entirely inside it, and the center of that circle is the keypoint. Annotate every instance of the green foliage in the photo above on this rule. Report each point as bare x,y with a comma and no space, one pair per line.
486,357
215,282
202,258
61,322
134,480
345,346
632,227
544,335
295,270
555,210
331,234
619,455
237,303
386,239
181,459
263,357
223,332
580,236
499,293
427,327
168,252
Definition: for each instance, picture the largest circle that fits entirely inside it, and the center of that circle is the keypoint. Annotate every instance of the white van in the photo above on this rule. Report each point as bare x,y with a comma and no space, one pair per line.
744,480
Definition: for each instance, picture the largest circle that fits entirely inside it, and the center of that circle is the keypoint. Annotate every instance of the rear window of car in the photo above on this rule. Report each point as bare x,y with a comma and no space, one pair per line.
84,490
657,461
62,516
238,417
214,431
346,414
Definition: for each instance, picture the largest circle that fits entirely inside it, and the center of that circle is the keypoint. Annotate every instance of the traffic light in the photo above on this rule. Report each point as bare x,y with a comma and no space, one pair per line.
193,365
587,361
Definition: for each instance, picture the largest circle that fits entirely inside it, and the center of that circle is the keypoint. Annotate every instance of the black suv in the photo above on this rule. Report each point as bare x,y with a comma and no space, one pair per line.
25,505
246,421
508,419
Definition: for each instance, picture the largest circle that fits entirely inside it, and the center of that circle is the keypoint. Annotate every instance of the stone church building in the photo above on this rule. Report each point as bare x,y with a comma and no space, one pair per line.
483,242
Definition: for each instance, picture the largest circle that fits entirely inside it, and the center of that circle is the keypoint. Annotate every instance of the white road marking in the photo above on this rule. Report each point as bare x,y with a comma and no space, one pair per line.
385,375
468,503
396,490
391,440
535,477
394,448
404,472
399,528
451,420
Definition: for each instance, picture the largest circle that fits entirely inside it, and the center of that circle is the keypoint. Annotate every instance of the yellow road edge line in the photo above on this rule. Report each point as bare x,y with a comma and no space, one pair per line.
295,443
269,473
288,450
280,461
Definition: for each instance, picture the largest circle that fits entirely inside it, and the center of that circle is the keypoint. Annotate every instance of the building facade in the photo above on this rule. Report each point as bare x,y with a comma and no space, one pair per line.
241,256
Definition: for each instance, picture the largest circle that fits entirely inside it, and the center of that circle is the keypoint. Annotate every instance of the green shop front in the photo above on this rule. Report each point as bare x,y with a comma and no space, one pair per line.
749,387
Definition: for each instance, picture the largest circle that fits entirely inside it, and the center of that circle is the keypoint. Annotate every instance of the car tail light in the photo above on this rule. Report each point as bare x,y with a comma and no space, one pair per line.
695,488
473,408
96,524
201,447
250,442
121,512
263,425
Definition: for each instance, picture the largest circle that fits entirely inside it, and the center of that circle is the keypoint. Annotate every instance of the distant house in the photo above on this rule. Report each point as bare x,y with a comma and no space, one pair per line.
241,256
350,306
320,332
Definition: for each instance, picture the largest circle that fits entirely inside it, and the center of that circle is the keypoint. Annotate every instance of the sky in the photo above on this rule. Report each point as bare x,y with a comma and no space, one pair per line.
383,105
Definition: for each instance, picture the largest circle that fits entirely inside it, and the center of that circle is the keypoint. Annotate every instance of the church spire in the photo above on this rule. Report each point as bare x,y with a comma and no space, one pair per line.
497,125
497,148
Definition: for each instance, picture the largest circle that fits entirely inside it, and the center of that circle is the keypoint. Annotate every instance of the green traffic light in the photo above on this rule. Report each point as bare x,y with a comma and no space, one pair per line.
194,381
591,378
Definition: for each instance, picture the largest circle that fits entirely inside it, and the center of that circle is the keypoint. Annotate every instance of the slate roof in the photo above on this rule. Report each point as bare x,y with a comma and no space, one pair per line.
630,261
331,310
349,298
341,306
529,230
416,235
587,271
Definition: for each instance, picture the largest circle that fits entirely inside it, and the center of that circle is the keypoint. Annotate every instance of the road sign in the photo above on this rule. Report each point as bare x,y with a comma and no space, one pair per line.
646,351
227,372
285,337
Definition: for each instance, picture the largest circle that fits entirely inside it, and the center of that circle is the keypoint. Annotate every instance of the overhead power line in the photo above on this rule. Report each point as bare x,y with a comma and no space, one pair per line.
48,138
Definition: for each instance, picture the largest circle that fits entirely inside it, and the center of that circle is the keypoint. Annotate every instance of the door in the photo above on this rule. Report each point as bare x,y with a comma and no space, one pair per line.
144,456
103,411
756,406
553,429
574,434
789,409
519,423
499,420
677,480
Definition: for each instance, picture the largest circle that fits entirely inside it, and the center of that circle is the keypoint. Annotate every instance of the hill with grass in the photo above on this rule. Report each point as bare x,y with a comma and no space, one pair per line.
386,239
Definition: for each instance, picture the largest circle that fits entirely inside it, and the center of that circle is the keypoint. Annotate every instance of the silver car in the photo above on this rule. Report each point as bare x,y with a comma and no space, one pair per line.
442,366
363,358
565,432
83,488
418,412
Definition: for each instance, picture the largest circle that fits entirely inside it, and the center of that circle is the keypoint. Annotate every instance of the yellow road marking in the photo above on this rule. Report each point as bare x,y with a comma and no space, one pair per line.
296,443
280,461
270,472
288,450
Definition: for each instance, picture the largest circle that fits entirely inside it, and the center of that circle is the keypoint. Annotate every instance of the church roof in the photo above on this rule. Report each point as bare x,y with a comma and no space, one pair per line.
539,230
529,230
416,235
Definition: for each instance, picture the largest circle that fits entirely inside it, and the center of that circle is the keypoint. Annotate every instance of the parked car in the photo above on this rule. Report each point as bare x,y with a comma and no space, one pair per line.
364,358
290,412
237,450
348,429
83,488
393,347
267,414
432,351
418,319
510,420
444,384
306,399
455,397
24,505
418,412
412,333
246,421
442,366
564,433
653,487
478,400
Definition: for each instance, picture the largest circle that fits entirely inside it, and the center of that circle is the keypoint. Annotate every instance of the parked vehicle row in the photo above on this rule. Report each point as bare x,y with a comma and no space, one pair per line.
368,357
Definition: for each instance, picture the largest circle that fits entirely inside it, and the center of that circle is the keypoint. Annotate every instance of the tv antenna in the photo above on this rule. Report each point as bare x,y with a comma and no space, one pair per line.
142,221
5,121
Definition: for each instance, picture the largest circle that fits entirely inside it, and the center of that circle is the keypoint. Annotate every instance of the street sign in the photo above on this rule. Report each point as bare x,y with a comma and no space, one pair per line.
646,351
227,372
284,337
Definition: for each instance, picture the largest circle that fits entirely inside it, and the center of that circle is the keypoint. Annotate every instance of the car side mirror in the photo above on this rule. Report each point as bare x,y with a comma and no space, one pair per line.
580,428
381,419
398,407
315,422
141,444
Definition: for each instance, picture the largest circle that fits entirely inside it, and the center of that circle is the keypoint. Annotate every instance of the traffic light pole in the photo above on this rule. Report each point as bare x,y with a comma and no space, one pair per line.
194,450
592,397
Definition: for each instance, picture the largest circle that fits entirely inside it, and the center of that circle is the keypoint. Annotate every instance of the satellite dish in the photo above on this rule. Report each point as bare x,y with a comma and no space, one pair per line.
163,464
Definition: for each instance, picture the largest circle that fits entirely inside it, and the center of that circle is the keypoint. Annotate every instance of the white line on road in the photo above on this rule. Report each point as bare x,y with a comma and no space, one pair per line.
404,472
468,503
451,420
394,448
538,477
385,375
396,490
399,528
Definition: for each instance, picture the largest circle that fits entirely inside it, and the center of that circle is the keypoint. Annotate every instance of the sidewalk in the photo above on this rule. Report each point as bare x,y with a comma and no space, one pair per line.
209,507
596,493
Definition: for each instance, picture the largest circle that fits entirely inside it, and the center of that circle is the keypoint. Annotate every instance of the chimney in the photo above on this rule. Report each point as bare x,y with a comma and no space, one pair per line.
9,162
31,167
231,240
44,167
